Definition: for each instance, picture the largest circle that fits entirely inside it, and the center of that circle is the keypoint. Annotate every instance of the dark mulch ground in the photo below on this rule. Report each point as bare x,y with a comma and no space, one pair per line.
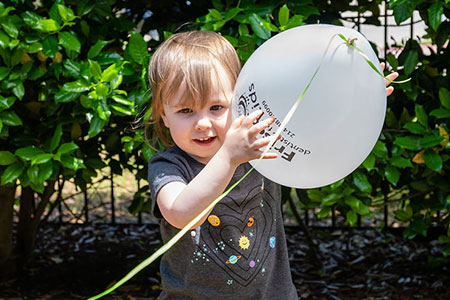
76,262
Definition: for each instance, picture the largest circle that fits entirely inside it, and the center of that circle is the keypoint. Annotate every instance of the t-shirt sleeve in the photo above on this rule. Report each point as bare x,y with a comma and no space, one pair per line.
163,169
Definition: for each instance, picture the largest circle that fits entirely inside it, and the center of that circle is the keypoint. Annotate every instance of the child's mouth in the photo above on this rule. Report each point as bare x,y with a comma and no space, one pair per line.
205,141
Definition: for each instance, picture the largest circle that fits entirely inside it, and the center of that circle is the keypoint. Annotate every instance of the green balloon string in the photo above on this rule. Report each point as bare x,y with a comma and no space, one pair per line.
351,43
274,138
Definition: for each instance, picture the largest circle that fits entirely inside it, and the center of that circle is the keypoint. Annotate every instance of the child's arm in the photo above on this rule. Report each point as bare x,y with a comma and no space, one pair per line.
180,203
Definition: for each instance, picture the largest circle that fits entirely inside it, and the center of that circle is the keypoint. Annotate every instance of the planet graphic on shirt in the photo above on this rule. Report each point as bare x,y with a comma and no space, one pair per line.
250,222
233,259
214,220
252,264
272,242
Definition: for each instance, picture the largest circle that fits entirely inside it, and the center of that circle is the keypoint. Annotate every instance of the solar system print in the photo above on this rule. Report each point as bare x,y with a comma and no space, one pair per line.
238,237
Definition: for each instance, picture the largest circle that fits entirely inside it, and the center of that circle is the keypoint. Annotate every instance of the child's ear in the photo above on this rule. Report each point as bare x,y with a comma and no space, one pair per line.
164,118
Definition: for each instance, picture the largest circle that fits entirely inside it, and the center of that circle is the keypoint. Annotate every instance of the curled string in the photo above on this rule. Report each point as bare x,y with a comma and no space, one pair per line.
272,141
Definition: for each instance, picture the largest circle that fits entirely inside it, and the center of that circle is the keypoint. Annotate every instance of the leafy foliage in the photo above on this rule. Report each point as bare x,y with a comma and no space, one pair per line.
409,165
74,77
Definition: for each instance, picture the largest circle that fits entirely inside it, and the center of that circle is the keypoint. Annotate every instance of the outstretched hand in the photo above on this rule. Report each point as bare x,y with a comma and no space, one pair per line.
392,76
242,143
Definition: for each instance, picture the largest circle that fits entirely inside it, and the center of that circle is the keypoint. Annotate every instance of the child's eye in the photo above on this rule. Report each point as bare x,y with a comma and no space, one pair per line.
216,107
185,110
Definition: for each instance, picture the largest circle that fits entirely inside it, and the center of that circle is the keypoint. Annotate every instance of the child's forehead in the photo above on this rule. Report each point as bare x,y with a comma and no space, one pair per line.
216,88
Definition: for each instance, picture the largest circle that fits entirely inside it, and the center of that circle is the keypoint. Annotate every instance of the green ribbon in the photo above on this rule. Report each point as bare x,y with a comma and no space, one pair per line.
274,138
351,43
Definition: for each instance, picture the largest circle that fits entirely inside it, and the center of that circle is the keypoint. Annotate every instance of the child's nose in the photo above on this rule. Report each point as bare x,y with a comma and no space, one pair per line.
203,123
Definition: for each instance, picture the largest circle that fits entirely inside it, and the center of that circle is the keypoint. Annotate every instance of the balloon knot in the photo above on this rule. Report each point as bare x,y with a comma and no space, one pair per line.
351,42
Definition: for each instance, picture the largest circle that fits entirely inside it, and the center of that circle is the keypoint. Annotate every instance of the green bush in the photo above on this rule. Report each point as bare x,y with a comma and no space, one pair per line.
74,78
410,163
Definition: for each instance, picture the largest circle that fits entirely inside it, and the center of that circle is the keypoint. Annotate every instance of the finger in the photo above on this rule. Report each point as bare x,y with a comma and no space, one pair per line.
262,142
389,90
270,155
257,128
391,77
383,65
237,122
248,121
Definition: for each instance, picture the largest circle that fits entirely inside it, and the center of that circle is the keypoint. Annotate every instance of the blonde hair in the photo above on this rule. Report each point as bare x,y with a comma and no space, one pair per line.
188,58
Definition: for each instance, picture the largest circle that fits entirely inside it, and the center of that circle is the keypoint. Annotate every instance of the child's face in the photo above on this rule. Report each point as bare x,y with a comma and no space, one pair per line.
200,131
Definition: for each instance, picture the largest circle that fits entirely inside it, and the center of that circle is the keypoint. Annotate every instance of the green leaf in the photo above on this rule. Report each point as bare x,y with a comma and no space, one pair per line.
400,162
47,25
41,158
430,141
73,68
369,162
324,212
54,142
283,15
256,22
392,174
10,118
380,149
446,248
27,153
18,89
330,199
315,195
435,12
440,113
102,91
45,171
407,142
127,111
96,125
5,11
4,40
11,25
67,148
30,18
412,59
69,41
97,48
444,97
393,62
361,182
50,46
421,115
72,162
433,160
75,86
232,13
3,72
215,14
147,152
6,103
65,96
295,21
351,217
12,172
403,10
95,69
403,215
110,73
138,48
415,128
7,158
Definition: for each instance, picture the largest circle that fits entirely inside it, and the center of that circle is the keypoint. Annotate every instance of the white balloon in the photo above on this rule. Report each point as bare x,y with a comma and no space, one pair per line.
339,118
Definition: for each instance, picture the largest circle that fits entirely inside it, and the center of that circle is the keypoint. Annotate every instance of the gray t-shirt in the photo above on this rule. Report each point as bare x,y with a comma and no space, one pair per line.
240,252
